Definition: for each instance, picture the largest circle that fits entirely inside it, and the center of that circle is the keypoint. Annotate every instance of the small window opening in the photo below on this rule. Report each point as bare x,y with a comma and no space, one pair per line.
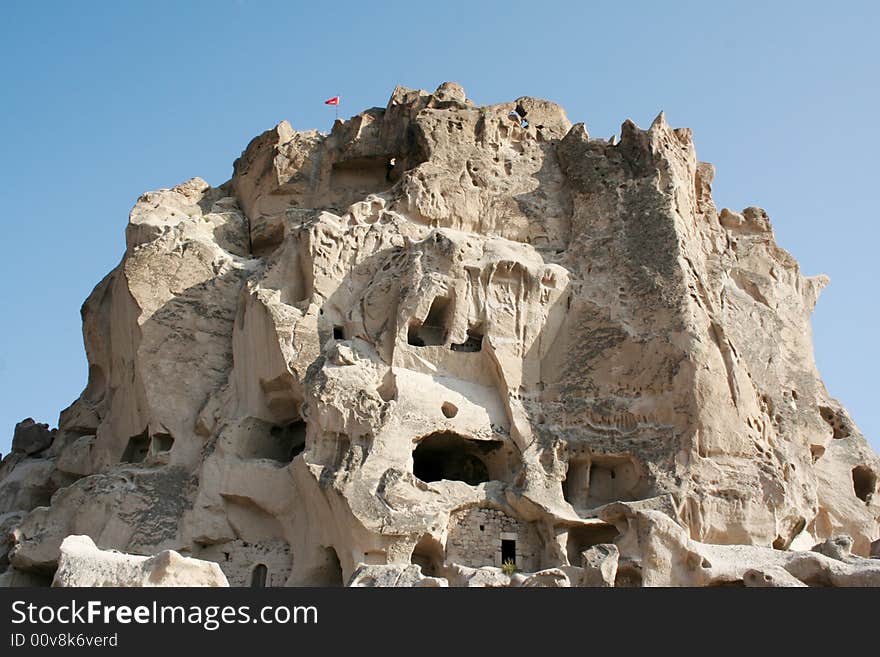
162,442
864,483
339,333
258,576
432,332
137,448
474,342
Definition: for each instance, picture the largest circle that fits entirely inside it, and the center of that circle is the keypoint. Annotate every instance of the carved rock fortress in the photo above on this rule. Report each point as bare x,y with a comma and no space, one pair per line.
450,345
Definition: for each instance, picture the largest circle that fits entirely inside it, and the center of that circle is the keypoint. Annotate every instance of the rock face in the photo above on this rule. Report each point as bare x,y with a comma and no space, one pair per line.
83,564
455,337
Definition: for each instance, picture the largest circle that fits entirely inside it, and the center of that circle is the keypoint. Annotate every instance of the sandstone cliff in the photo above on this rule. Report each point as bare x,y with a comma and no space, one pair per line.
452,336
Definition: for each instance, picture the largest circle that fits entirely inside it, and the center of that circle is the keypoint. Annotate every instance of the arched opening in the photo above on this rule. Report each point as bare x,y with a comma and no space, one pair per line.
259,575
428,554
447,455
331,569
864,483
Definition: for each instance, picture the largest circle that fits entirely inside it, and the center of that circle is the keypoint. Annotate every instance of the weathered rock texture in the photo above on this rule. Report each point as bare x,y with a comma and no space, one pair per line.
453,336
83,564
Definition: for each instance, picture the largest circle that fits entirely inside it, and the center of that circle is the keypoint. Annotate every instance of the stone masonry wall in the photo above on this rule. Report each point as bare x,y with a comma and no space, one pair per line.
476,533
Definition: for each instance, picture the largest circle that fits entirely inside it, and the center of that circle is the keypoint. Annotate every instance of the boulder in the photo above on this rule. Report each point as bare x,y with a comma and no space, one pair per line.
82,563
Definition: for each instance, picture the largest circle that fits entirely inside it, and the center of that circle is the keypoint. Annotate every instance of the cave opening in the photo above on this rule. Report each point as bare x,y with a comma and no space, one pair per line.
473,343
286,441
447,455
137,448
864,483
431,332
331,570
585,536
162,442
428,555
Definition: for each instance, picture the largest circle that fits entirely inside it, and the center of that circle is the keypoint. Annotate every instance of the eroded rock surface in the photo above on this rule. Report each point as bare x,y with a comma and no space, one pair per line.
471,339
82,564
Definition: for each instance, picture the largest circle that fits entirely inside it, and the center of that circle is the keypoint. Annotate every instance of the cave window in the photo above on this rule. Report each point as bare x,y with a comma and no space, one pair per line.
339,333
508,550
864,483
598,480
576,485
432,332
287,442
446,455
162,442
474,342
428,554
137,448
331,574
584,536
259,575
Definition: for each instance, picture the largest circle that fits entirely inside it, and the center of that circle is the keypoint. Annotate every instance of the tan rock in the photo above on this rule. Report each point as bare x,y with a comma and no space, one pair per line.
393,575
599,563
82,564
451,336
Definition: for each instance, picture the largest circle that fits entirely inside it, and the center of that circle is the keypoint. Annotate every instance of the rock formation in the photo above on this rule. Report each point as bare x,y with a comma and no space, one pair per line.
453,336
82,564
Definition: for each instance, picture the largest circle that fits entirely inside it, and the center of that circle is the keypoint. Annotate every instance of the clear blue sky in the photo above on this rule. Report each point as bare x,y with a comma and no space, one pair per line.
102,101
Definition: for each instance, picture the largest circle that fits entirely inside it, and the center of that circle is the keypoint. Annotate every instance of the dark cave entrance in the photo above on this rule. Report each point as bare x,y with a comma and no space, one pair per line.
137,448
431,332
447,455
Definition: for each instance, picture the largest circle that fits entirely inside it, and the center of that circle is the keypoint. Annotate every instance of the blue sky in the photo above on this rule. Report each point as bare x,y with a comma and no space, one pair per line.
102,101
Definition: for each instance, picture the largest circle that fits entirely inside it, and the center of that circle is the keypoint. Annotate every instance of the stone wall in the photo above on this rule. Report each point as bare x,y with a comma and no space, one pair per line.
476,535
238,559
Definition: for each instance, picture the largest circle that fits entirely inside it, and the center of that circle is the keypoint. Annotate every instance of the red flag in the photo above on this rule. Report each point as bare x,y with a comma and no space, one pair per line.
332,101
